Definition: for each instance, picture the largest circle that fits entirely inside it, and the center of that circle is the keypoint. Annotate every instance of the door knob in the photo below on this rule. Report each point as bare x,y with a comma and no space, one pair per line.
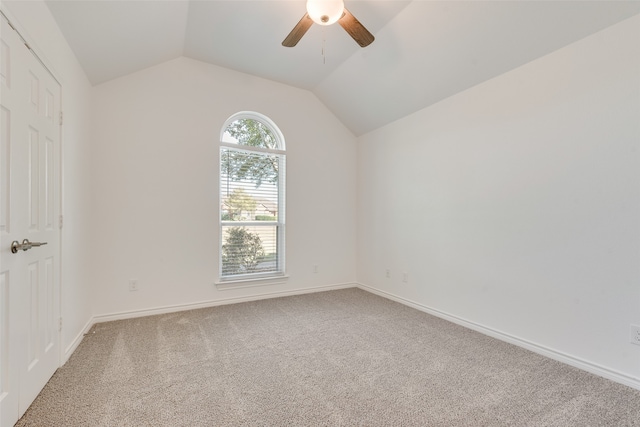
25,245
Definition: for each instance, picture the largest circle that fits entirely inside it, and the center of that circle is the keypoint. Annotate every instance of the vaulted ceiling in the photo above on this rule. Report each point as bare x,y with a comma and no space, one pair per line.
424,50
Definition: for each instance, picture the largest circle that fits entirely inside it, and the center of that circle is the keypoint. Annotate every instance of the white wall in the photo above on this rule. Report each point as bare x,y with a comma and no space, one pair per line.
155,181
35,22
515,205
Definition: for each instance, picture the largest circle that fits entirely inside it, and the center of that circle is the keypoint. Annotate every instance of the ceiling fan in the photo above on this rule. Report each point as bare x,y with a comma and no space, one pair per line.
327,12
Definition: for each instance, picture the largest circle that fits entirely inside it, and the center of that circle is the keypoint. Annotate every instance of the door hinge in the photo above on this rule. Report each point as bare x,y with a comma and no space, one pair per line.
61,118
60,221
19,35
60,324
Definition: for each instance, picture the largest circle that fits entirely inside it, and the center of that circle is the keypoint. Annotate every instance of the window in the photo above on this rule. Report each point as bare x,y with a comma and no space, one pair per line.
252,184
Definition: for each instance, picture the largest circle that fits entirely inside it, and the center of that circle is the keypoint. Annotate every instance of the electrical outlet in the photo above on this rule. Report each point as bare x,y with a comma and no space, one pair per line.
315,268
387,273
634,334
133,285
405,277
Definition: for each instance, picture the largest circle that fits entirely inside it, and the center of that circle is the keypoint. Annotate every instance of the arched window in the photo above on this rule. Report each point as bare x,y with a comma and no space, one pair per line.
252,187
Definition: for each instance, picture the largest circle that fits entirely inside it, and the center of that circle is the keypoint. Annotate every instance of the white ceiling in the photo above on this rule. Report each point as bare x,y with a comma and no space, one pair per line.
424,51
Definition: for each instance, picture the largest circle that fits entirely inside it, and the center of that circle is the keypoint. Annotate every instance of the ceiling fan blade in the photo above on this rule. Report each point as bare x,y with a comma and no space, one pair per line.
356,30
298,31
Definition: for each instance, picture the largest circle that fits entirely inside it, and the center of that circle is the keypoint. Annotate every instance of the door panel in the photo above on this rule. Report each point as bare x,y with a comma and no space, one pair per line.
13,118
8,399
5,120
42,262
30,185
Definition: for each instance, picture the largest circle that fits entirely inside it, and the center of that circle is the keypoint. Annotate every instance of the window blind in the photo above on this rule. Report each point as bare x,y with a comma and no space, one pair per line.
251,212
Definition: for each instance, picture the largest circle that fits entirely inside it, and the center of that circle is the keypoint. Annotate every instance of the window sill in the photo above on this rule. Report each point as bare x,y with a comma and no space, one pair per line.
251,282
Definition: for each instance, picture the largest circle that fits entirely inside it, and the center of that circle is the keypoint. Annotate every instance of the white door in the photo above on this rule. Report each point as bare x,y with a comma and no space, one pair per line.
29,209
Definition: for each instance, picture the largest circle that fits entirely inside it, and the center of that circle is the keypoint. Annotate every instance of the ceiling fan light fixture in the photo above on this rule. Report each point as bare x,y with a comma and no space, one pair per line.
325,12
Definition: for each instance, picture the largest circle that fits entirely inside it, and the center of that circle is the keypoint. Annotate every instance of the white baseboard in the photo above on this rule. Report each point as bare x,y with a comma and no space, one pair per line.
76,342
576,362
213,303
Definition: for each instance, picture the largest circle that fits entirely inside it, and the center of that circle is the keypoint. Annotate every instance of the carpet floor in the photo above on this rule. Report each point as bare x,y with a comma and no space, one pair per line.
336,358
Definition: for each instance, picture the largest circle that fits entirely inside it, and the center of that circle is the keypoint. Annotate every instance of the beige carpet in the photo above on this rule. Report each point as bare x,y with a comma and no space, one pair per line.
338,358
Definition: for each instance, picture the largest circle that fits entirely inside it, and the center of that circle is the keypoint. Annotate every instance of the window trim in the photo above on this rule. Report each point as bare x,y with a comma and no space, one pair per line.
260,278
251,283
238,147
